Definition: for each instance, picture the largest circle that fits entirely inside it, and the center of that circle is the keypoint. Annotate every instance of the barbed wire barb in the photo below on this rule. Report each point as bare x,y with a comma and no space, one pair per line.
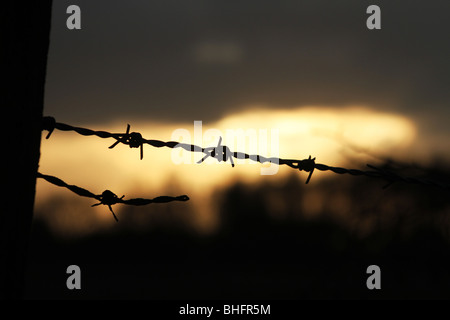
221,153
133,140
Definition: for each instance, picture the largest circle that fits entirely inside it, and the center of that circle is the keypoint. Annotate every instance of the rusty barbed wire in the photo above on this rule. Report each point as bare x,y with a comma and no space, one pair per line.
223,153
107,197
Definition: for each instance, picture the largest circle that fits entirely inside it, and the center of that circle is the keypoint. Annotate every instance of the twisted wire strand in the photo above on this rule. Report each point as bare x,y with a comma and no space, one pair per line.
108,198
223,153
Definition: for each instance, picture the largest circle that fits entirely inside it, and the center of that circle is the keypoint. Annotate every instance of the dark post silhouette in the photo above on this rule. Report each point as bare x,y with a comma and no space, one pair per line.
25,31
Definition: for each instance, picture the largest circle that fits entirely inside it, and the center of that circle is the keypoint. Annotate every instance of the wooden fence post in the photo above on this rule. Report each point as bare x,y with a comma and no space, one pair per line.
24,42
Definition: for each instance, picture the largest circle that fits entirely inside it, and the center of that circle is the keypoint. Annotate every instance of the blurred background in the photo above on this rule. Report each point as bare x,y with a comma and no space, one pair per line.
309,70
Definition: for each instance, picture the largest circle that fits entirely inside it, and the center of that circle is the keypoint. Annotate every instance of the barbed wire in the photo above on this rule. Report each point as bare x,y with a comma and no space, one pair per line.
107,197
223,153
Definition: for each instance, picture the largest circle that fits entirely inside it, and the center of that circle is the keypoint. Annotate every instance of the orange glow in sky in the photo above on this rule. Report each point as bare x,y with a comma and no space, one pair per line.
329,134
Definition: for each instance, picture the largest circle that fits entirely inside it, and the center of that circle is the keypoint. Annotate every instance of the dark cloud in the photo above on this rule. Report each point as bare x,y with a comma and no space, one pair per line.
141,59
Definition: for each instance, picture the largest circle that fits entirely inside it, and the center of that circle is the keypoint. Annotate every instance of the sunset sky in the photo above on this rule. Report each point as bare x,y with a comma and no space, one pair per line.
311,71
